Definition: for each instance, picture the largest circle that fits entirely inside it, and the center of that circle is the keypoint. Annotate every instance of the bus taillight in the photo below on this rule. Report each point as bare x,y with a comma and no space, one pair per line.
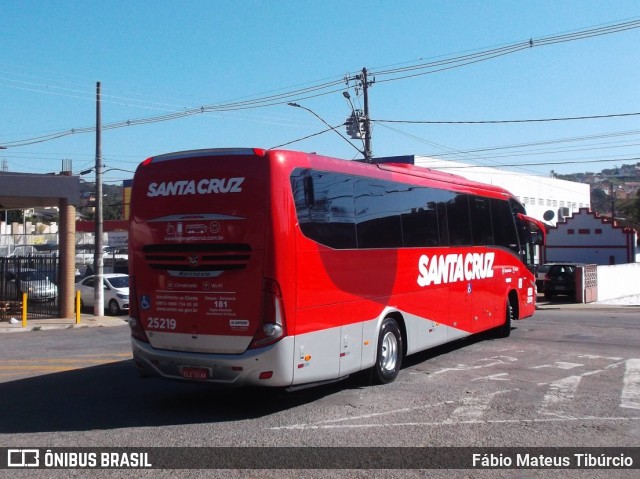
134,317
272,322
137,331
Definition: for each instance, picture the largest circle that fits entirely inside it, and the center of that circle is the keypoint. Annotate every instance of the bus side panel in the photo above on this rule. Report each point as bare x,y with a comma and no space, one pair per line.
426,317
317,352
351,345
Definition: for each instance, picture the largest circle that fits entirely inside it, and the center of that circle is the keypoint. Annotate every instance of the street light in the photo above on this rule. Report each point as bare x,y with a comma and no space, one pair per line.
356,117
333,128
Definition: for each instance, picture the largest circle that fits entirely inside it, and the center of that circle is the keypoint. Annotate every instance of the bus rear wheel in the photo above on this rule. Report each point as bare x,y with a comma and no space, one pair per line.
389,352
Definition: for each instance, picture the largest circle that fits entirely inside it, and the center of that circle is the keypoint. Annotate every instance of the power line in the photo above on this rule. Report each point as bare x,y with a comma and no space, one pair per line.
483,122
327,87
545,163
550,142
304,137
484,55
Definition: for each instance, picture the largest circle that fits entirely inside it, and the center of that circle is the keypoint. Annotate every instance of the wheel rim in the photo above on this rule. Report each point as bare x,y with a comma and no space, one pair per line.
113,307
389,352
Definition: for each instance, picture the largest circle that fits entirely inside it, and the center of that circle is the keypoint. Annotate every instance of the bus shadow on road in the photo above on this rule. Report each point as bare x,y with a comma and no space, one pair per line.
113,396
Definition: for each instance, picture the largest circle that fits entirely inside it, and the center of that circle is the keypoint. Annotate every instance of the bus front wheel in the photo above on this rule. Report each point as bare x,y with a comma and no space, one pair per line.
389,352
504,331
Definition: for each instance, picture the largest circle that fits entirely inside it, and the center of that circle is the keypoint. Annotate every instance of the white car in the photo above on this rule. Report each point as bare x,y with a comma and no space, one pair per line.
116,292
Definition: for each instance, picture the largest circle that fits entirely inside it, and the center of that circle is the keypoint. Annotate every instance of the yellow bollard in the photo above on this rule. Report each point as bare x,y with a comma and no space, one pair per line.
24,310
77,307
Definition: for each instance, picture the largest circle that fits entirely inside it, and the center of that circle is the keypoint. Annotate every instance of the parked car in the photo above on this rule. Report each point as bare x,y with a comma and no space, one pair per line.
116,292
541,272
560,279
35,283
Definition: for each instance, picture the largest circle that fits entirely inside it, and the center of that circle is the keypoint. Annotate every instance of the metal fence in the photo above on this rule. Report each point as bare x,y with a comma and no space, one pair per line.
37,276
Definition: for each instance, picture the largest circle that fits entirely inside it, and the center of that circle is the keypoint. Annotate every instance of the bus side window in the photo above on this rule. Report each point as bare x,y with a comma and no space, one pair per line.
324,206
309,193
459,220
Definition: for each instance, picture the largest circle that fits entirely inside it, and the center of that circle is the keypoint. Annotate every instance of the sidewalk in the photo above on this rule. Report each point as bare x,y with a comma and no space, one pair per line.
14,325
626,303
90,321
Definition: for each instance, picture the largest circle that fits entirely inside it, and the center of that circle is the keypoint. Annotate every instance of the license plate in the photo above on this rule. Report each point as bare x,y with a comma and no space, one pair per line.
560,288
190,372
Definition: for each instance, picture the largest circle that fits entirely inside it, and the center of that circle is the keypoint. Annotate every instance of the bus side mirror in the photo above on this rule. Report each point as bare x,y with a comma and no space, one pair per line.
538,238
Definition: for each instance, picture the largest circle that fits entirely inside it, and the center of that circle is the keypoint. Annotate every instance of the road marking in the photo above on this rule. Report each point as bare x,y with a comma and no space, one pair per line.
560,392
473,408
630,397
493,377
20,367
458,423
494,361
559,365
367,416
593,356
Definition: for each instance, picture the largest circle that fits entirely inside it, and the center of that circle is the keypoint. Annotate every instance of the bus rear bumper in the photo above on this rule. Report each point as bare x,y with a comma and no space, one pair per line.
269,366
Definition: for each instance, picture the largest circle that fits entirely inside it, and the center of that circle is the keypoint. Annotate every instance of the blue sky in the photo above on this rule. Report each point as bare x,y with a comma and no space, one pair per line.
157,57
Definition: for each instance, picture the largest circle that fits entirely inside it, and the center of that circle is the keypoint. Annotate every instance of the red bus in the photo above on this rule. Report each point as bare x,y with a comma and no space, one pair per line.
282,268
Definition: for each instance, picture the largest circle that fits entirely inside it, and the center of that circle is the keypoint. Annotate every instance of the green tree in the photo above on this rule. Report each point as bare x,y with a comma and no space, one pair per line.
630,209
600,201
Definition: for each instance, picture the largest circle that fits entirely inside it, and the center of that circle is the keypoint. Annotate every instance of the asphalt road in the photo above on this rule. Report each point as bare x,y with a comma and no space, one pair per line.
564,378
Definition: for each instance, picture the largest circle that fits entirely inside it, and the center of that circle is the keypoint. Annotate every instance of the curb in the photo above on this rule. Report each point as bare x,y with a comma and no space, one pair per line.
62,323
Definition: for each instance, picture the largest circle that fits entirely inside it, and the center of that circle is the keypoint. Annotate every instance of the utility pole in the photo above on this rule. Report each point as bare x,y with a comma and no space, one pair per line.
98,304
367,123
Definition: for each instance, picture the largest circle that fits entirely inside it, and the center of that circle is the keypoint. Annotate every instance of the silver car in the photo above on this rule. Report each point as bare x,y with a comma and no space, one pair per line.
36,284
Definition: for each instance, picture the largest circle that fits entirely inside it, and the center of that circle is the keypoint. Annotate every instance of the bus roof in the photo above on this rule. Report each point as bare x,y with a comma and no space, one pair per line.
402,165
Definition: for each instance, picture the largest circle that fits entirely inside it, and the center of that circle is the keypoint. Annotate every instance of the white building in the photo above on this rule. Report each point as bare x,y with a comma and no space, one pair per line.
586,237
546,199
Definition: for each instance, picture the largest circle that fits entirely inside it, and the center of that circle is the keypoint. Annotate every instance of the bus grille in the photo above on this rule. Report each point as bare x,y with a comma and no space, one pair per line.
197,257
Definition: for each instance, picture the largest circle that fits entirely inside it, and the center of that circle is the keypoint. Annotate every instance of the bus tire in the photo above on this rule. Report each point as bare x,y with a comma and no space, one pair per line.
504,331
389,352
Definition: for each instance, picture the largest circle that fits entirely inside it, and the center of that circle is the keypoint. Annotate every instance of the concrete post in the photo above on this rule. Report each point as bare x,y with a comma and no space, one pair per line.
66,283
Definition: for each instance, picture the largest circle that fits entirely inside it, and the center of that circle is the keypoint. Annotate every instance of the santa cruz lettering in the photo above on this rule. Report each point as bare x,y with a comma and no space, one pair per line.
452,268
204,186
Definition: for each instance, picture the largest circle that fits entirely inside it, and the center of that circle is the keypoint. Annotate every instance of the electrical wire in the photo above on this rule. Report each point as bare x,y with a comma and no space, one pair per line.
484,122
484,55
326,87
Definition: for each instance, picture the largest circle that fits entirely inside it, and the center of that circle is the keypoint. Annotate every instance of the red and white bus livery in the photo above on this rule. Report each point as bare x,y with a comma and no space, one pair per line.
282,268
